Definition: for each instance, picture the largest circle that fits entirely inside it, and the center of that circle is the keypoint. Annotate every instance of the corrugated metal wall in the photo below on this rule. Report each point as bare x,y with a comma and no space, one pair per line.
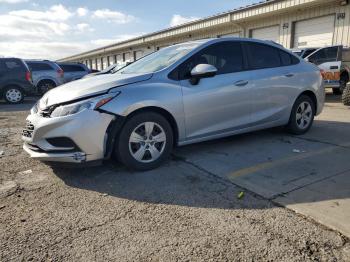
242,22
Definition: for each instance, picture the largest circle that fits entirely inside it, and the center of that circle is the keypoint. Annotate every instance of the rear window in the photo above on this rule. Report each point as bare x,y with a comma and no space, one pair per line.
12,64
39,66
72,68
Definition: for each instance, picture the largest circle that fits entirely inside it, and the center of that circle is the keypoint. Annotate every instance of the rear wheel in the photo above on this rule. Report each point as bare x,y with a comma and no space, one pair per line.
302,115
346,96
13,95
45,85
145,141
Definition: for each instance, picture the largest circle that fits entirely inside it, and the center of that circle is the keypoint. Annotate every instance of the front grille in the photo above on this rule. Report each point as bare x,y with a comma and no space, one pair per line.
28,129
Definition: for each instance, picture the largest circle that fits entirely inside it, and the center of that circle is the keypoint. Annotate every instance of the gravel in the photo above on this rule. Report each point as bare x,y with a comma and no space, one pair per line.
176,212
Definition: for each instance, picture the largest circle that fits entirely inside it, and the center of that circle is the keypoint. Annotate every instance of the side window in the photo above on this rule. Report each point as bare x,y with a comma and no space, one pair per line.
262,56
39,66
227,57
72,68
13,64
308,52
328,54
2,66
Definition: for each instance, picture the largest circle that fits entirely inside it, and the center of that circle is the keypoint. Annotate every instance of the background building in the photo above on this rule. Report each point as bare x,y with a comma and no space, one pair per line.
292,23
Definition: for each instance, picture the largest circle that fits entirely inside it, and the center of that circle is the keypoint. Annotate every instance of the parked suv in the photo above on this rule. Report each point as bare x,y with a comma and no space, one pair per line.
73,71
15,80
46,74
182,94
304,52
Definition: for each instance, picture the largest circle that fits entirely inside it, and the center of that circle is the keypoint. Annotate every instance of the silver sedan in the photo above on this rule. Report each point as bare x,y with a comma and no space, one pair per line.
182,94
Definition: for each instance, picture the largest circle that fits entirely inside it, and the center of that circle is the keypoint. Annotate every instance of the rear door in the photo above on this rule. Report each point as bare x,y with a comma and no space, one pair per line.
272,80
328,59
219,104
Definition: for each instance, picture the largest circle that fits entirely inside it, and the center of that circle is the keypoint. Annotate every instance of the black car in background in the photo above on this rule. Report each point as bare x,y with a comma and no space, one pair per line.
15,80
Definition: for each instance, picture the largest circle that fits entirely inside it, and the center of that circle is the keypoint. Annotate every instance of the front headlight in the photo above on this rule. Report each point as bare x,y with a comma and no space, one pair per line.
92,104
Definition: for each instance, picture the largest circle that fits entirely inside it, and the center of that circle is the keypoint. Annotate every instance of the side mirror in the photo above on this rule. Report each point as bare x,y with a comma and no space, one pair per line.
202,71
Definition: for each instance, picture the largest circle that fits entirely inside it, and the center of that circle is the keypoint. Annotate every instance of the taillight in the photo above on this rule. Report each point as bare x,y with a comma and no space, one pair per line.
60,72
28,76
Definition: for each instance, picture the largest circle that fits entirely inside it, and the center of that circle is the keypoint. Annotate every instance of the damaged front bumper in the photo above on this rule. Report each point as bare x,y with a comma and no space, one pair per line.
76,138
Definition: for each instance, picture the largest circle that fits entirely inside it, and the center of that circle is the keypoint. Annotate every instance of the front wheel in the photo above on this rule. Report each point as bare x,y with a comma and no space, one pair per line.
145,141
13,95
302,115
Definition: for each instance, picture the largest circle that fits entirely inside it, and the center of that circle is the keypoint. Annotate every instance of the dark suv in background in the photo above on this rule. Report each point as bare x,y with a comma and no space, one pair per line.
15,80
74,71
46,74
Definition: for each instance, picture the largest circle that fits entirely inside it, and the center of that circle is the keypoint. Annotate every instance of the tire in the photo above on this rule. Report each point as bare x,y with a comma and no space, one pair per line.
346,96
144,153
45,85
337,91
13,95
299,116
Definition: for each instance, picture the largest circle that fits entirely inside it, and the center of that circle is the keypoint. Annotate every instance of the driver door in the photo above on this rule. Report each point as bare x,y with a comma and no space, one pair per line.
221,103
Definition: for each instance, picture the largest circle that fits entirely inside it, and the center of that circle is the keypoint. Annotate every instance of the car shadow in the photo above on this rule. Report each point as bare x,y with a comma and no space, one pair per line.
199,175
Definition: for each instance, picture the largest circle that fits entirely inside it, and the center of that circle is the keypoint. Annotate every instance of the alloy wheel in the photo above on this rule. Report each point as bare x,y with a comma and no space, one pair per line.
304,115
147,142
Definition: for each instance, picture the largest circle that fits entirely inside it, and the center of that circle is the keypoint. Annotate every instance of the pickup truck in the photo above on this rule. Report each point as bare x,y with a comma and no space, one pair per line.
334,62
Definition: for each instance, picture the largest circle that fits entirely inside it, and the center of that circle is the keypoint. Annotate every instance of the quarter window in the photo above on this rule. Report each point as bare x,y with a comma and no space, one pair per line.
262,56
287,59
227,57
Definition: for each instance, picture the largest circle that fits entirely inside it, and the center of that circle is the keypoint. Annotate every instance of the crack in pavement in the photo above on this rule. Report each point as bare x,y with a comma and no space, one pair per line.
346,146
309,184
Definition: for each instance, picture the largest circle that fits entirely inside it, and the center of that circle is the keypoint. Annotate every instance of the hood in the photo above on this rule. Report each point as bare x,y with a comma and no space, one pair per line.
87,87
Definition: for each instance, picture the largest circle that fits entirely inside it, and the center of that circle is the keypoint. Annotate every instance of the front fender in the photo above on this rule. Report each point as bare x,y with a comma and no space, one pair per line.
166,96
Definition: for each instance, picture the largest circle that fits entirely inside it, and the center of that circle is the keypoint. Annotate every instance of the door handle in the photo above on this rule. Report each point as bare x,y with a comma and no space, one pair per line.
334,67
241,83
289,75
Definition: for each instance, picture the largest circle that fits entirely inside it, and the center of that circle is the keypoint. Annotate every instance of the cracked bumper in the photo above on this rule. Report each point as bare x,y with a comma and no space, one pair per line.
86,130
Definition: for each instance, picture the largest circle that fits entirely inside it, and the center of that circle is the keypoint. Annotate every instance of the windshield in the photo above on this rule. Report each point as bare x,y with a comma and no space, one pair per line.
159,60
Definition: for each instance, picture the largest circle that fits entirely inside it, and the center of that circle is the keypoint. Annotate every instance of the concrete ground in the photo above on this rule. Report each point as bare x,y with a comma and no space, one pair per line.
189,208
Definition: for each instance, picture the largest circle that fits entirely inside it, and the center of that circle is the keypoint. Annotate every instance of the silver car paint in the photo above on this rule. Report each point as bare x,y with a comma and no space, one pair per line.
52,75
216,107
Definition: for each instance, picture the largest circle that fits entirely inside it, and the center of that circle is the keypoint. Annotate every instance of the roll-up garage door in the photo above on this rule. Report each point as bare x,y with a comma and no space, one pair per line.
267,33
316,32
230,35
138,54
